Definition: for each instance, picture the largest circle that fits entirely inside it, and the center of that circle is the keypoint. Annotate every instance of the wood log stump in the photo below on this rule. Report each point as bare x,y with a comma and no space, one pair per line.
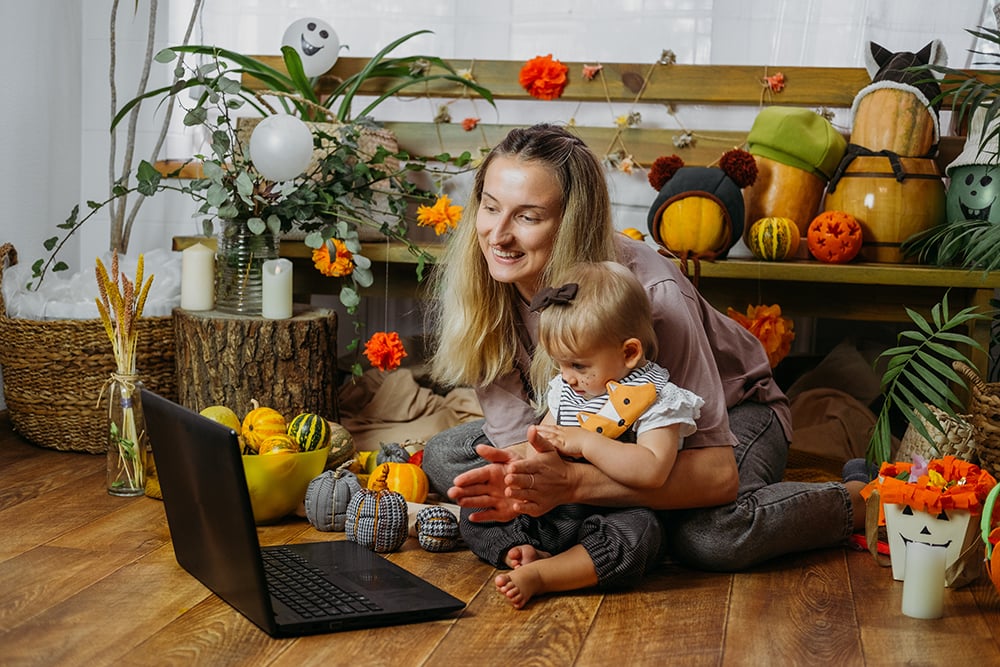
289,365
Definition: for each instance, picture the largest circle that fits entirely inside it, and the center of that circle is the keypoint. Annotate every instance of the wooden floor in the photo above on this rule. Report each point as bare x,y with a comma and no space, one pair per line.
89,579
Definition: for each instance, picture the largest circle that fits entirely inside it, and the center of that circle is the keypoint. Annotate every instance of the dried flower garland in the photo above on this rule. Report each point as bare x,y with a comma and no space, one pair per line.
768,326
543,77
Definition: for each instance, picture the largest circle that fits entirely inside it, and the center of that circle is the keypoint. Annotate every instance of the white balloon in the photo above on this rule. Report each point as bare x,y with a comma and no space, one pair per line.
316,42
281,147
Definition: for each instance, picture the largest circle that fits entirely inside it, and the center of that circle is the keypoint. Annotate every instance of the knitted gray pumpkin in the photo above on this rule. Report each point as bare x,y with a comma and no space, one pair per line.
378,518
437,529
328,497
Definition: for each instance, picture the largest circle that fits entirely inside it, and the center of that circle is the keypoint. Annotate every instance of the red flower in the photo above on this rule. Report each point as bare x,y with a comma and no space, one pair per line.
591,71
385,351
543,77
469,124
775,82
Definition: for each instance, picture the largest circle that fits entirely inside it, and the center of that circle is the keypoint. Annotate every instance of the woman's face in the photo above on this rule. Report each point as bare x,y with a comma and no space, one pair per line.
517,220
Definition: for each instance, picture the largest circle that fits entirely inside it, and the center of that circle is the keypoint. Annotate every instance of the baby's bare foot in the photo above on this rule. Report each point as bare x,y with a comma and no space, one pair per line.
518,586
523,555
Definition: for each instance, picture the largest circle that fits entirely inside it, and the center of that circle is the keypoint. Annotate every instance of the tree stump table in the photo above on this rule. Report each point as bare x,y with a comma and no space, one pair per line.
289,365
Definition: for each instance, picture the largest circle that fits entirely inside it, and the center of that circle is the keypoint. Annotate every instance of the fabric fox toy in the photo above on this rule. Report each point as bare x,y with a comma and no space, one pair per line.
625,404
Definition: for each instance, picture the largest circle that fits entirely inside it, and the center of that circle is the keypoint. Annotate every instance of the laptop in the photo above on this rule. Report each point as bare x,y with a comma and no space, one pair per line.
211,524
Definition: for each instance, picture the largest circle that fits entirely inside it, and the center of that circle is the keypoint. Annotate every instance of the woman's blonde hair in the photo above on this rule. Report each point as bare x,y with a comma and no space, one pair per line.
610,306
474,318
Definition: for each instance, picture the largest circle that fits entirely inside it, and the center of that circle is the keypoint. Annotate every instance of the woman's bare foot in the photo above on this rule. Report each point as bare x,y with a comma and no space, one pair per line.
523,555
519,585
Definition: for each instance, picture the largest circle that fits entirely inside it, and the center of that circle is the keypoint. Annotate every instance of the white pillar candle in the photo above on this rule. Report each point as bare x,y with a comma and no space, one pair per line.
923,580
198,277
277,285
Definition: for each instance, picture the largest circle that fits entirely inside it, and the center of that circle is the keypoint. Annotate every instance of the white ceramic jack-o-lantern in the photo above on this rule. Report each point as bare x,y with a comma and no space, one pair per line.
950,529
316,42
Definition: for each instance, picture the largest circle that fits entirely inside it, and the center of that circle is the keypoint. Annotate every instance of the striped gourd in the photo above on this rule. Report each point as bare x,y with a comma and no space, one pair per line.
310,430
258,424
773,238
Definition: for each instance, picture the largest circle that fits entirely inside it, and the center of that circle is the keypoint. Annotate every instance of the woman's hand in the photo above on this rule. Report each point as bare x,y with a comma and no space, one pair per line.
541,480
484,487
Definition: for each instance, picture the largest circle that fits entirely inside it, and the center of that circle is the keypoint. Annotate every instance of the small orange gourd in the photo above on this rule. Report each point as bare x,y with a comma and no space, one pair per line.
407,479
259,424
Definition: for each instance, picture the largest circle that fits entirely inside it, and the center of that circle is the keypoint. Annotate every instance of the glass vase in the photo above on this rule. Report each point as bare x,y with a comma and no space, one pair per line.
127,437
239,267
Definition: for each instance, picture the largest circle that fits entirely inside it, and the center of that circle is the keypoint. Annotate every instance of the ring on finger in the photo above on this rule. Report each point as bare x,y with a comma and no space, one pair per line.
532,484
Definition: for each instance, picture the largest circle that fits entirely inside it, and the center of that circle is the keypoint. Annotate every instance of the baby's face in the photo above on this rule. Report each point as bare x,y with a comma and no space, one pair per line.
588,374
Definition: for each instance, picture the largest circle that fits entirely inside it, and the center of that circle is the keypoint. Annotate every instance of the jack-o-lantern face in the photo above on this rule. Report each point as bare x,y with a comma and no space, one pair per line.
904,525
974,194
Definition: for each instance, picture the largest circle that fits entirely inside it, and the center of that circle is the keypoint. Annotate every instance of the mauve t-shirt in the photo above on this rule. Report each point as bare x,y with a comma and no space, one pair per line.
705,351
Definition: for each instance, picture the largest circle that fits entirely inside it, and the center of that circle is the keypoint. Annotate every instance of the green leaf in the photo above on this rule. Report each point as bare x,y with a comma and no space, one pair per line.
349,297
256,225
50,243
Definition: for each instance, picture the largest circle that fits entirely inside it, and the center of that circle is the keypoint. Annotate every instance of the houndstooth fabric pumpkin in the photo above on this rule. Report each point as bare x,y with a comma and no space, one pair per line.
328,497
378,520
437,529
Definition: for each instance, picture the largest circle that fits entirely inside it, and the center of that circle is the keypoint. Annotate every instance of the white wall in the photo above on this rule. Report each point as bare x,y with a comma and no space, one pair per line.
54,138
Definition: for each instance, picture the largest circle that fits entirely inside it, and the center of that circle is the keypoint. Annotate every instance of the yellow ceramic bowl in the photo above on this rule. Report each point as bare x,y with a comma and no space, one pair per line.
278,482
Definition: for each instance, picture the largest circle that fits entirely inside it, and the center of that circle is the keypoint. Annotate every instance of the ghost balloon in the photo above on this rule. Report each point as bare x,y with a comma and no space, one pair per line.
316,42
281,147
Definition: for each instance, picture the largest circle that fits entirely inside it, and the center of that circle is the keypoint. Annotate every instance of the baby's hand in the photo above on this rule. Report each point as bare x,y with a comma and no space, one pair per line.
566,439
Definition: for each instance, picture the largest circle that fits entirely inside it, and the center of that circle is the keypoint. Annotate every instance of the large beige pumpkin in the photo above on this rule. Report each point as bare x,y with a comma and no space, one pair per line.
893,120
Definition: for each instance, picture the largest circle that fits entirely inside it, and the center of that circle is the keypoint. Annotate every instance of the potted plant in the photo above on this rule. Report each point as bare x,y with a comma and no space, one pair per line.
348,186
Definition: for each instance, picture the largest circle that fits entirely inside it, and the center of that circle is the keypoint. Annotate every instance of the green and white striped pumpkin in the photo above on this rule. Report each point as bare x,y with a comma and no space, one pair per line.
773,238
310,430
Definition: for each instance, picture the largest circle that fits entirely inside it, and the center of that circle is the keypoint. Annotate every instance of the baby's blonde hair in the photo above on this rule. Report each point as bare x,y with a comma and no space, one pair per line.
610,307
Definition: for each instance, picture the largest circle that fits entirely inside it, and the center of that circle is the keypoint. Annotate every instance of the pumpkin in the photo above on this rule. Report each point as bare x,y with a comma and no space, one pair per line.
834,237
895,120
437,529
406,479
341,445
260,423
377,518
328,496
693,225
773,238
391,452
309,430
279,443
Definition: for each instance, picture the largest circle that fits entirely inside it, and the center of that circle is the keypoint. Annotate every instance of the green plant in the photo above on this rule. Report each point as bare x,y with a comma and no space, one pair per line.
969,244
919,371
297,93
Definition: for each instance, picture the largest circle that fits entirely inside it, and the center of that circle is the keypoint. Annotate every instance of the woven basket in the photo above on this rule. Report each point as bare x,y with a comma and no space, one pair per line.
958,439
53,372
984,408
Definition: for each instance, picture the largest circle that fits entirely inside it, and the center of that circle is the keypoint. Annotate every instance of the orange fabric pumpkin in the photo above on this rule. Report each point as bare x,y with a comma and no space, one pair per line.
834,237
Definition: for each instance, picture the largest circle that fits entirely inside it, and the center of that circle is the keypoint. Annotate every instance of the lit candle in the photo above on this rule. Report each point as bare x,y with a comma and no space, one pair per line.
198,277
923,580
277,285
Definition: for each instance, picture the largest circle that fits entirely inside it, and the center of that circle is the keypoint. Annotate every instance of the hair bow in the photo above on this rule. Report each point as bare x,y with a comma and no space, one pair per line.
549,296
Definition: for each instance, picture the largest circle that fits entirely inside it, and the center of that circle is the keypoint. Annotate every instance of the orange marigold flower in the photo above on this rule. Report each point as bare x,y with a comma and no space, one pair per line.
442,216
469,124
590,71
385,351
770,328
543,77
335,267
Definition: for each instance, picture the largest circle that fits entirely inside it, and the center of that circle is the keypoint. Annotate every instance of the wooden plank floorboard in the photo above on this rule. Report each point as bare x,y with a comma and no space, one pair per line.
86,578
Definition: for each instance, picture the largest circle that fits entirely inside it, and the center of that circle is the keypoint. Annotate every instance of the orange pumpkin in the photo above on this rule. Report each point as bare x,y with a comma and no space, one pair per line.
773,238
279,443
406,479
894,120
834,237
259,424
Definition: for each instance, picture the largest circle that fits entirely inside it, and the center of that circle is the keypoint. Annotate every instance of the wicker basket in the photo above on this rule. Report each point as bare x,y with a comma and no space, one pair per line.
958,439
984,406
53,372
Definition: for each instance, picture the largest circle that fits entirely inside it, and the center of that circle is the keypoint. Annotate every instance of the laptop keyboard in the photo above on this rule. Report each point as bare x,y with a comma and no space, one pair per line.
304,589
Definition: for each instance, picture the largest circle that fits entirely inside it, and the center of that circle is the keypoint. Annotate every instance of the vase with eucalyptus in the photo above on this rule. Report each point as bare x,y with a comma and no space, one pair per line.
239,262
120,303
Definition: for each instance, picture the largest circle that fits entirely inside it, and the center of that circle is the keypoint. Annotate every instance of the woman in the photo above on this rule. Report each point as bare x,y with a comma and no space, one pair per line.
539,205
